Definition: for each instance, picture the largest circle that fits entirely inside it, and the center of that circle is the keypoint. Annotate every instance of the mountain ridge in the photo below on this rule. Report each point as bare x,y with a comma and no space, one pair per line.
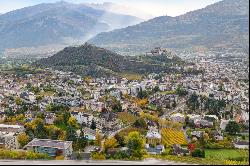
60,22
223,24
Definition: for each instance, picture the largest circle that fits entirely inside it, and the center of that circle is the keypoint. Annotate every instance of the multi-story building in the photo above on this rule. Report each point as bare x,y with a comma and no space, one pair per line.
8,140
8,136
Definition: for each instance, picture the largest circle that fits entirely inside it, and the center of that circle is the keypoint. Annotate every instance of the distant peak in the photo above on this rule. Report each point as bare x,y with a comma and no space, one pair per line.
62,2
88,44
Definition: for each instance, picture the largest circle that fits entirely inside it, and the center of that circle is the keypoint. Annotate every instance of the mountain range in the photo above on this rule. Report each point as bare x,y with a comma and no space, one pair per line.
57,23
222,25
90,60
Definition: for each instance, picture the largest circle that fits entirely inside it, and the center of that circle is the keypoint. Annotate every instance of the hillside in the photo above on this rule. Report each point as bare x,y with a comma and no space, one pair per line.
220,25
57,23
95,61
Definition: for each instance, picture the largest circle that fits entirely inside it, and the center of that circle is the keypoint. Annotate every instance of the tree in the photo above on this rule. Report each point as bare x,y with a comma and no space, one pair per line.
98,156
93,125
140,123
120,139
142,94
66,116
18,101
40,115
135,144
55,134
193,102
232,128
117,107
23,139
198,153
98,139
202,142
156,89
72,122
206,136
71,134
81,141
181,91
186,122
174,104
110,143
40,131
191,147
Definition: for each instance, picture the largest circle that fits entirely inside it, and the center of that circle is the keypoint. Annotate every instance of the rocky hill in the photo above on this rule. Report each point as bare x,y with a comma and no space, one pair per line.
95,61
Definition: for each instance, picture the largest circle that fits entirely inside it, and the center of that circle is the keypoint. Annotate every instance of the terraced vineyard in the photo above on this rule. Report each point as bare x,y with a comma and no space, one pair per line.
171,136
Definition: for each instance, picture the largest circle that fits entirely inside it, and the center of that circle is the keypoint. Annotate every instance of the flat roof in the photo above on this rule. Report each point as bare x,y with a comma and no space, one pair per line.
50,143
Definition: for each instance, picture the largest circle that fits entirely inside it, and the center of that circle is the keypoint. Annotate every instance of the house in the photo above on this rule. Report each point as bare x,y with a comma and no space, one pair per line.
153,137
83,118
50,118
194,117
11,128
212,117
2,116
217,135
52,147
108,121
196,134
203,124
158,149
89,133
178,150
241,144
223,124
178,117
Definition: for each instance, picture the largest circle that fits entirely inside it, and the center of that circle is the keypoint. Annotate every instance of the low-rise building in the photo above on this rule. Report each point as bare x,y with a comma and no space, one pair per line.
241,144
153,137
52,147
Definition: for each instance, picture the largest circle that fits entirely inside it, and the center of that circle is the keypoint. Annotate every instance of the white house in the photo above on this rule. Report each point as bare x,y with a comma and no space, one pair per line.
178,117
241,144
223,124
83,118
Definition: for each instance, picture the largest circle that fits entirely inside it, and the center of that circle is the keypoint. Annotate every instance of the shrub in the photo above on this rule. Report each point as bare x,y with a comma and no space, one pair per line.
98,156
198,153
59,158
121,155
166,152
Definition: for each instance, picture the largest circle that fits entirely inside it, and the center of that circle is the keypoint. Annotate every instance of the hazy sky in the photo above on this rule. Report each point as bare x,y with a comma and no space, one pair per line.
151,7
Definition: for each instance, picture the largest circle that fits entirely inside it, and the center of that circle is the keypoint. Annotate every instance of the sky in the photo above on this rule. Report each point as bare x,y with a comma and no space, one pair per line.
140,8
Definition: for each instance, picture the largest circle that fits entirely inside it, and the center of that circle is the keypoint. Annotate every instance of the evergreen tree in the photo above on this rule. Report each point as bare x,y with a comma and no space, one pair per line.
93,125
40,131
71,134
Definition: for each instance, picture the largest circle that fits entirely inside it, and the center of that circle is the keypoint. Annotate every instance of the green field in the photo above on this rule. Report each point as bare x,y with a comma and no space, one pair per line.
227,154
132,76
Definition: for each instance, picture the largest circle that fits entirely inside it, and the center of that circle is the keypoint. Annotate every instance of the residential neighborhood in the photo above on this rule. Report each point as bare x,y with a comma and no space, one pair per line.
67,116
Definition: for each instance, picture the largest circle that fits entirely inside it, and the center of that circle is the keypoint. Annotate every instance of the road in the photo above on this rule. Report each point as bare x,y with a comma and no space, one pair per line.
114,133
180,106
91,162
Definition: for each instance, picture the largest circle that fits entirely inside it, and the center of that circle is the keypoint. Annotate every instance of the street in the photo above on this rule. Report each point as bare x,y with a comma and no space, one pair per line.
90,162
